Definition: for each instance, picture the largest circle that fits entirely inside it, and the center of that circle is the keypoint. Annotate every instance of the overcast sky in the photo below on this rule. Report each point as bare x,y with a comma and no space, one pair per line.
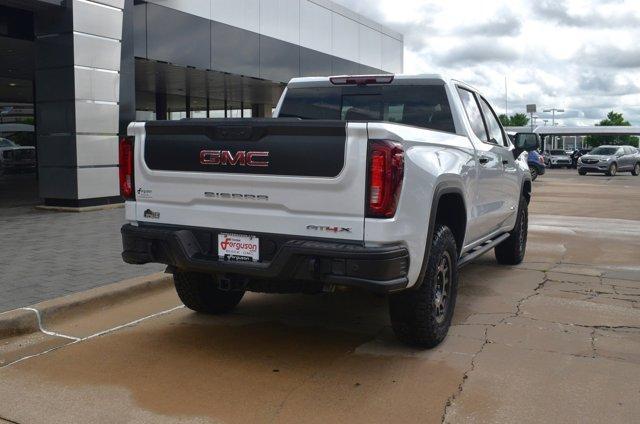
580,55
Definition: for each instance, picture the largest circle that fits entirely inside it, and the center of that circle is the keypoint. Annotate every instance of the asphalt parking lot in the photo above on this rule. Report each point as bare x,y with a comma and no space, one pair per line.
556,339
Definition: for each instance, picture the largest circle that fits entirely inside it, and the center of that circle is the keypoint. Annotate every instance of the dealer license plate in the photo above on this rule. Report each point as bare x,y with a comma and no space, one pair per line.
238,247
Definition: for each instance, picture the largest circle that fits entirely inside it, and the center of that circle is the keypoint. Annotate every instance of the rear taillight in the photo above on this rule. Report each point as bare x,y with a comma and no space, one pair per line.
386,171
126,168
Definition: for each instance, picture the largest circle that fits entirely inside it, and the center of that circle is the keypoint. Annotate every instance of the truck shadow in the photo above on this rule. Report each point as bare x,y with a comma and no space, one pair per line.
251,366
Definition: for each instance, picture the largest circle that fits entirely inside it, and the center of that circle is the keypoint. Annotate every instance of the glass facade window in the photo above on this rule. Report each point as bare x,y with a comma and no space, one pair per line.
145,115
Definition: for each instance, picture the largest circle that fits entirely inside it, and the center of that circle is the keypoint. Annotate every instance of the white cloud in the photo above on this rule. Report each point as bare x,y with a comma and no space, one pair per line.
580,55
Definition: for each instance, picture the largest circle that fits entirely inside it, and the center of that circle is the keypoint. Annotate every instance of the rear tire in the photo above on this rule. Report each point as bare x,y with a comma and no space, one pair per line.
613,170
636,170
582,172
200,293
421,317
512,250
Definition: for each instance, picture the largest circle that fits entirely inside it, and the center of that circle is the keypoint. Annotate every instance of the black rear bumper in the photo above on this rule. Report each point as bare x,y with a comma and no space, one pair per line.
380,268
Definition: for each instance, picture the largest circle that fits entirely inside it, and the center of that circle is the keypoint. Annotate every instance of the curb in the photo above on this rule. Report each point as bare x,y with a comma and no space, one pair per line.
17,322
20,321
81,209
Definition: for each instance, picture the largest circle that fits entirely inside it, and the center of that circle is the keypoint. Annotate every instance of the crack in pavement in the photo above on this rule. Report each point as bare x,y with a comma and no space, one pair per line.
465,376
519,303
595,327
518,313
8,420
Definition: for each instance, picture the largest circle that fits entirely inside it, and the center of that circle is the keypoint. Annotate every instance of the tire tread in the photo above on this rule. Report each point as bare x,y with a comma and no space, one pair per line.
412,311
508,252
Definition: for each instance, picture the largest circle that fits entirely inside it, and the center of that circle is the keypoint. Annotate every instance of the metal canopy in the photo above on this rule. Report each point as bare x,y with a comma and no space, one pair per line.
34,5
577,131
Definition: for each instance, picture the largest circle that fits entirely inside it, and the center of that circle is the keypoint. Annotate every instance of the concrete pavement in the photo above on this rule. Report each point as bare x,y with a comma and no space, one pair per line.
556,339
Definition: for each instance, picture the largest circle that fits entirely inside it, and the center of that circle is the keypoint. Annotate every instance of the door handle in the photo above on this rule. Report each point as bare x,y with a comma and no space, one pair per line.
483,160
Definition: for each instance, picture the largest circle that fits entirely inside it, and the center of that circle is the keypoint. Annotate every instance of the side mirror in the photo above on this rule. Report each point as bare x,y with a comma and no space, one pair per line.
525,142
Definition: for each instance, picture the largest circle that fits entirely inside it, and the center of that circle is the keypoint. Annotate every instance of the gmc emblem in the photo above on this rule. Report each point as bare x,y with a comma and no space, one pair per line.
241,158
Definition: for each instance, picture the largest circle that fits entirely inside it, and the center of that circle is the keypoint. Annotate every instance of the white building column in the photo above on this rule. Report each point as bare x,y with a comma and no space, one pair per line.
78,56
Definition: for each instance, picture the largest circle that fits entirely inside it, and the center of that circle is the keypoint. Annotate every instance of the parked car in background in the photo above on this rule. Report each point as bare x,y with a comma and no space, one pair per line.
610,160
558,159
536,164
14,157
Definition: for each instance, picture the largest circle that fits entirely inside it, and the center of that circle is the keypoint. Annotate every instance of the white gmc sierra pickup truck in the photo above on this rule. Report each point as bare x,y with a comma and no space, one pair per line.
388,183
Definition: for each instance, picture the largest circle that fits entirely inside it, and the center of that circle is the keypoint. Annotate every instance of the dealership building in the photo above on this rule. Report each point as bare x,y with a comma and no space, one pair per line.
84,69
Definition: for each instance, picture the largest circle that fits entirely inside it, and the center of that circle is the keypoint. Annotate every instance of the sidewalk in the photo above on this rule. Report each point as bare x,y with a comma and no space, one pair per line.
50,254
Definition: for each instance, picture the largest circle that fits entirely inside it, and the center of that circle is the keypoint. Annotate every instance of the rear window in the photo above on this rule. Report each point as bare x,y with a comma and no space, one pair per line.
423,106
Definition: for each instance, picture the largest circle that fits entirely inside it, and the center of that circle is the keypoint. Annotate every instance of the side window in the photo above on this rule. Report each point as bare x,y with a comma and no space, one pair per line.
473,113
493,125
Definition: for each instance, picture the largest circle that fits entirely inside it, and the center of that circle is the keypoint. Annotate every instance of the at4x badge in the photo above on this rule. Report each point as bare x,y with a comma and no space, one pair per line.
329,228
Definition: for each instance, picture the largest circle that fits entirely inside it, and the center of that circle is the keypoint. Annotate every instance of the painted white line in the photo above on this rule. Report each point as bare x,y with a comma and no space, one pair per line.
38,354
50,333
132,323
79,339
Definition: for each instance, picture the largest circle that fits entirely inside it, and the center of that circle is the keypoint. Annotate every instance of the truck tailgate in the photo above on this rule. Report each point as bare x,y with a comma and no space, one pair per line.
281,176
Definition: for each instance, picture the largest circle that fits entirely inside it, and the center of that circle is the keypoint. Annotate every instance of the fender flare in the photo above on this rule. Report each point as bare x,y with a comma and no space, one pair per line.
444,187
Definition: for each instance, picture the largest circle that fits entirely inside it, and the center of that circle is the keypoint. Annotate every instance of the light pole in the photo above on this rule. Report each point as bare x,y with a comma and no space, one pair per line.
531,109
553,111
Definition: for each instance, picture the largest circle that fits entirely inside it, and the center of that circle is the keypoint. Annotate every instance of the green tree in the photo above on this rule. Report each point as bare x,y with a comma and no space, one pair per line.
613,119
517,120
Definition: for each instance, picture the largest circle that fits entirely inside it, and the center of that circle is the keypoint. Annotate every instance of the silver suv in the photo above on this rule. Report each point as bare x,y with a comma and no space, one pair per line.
559,159
610,160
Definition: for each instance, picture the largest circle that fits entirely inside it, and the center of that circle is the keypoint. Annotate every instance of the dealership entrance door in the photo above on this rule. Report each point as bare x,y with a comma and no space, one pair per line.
18,147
